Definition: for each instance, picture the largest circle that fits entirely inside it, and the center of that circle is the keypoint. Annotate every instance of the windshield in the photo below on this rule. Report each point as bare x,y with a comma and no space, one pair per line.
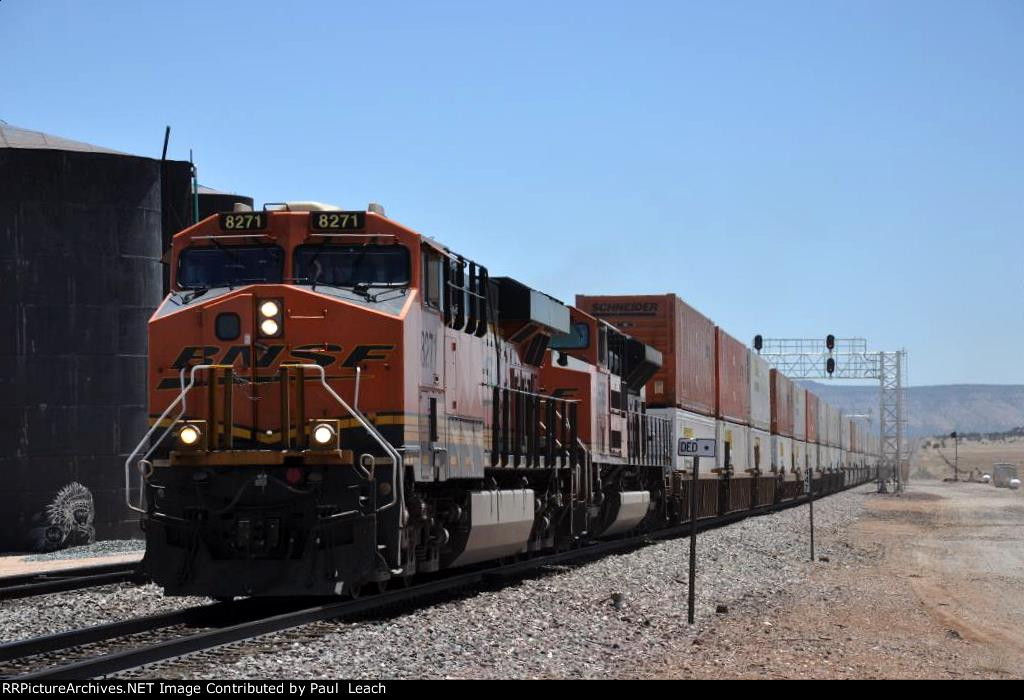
229,266
347,266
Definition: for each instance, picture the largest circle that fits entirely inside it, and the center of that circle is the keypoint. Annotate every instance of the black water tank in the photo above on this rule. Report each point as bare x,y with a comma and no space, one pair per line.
82,230
213,201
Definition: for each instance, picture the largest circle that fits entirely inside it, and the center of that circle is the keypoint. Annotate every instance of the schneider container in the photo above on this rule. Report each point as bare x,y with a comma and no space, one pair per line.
684,336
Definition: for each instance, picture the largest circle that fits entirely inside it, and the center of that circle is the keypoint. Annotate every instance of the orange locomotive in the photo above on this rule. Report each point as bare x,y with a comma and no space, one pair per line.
339,401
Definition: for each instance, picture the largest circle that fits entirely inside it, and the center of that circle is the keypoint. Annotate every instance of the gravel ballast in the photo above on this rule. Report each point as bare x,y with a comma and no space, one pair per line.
59,612
620,616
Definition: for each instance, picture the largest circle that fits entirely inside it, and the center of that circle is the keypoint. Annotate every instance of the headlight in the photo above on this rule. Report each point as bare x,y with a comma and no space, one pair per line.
269,326
189,435
323,434
271,317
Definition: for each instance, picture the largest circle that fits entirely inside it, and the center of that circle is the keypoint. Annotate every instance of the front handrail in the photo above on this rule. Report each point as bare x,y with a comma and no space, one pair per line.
398,486
128,463
396,458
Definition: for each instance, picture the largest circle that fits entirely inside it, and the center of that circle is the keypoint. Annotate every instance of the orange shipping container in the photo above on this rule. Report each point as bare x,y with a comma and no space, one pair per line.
782,404
812,418
733,389
684,336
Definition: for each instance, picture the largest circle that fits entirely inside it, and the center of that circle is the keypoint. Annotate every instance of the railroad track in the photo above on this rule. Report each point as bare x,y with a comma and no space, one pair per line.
111,648
67,580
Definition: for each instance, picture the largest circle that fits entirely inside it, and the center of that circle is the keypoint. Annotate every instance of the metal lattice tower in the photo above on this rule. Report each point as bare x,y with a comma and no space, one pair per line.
805,358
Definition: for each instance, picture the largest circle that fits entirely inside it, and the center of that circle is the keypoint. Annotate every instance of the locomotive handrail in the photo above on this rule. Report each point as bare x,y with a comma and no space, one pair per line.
396,458
397,480
138,448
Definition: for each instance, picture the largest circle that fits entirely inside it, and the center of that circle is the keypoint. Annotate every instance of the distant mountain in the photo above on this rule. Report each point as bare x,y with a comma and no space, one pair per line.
937,410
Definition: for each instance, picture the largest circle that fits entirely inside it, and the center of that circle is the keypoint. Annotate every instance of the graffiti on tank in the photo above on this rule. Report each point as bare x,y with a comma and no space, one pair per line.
67,520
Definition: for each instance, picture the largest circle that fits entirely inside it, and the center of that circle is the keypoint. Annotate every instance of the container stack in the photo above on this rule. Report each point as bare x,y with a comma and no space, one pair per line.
712,386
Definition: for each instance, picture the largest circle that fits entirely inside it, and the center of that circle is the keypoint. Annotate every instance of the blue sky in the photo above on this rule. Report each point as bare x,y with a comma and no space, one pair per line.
789,168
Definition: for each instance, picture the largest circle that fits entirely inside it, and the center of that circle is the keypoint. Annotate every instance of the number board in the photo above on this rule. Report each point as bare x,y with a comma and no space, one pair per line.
244,221
696,448
337,220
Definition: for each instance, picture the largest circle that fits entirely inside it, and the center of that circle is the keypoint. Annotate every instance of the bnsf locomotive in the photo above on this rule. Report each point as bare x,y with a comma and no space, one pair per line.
338,402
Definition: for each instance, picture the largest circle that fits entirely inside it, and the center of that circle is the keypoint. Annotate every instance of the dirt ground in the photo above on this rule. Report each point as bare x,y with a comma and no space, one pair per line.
975,456
17,565
929,584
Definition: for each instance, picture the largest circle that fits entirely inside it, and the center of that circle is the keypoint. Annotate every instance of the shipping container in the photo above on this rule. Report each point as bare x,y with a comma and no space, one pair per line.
737,438
782,456
760,391
782,403
834,421
837,458
689,426
685,338
732,395
812,457
799,413
800,457
823,414
847,428
811,430
760,450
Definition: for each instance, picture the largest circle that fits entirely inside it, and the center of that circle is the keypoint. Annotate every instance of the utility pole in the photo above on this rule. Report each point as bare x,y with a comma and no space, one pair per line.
956,455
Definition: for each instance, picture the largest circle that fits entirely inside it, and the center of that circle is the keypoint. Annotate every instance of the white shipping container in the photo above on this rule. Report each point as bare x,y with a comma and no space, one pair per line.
812,456
689,426
782,456
760,391
837,458
845,427
800,456
799,413
738,439
760,450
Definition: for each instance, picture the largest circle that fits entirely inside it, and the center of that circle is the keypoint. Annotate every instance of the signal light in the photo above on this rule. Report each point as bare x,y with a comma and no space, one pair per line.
830,366
830,342
758,342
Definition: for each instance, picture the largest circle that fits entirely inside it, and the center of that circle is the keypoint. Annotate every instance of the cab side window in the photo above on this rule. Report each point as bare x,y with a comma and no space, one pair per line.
431,279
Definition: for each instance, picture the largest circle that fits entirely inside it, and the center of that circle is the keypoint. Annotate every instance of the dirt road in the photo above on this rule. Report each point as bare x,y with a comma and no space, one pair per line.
929,584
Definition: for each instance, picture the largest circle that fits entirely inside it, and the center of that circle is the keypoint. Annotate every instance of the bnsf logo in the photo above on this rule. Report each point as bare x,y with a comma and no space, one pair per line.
324,355
630,308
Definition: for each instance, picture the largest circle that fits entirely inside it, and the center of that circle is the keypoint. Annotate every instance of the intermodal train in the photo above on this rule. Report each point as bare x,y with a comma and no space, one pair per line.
337,401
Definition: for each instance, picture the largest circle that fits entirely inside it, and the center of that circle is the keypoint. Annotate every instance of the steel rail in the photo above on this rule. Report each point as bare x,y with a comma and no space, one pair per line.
61,580
118,661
